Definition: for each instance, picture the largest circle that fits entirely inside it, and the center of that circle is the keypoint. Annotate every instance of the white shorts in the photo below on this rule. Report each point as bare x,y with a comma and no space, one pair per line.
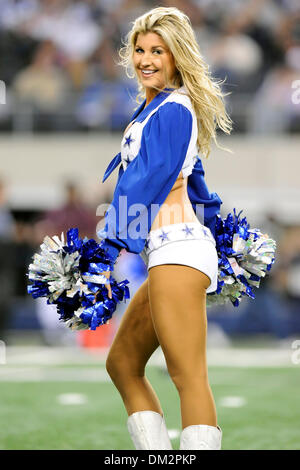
187,243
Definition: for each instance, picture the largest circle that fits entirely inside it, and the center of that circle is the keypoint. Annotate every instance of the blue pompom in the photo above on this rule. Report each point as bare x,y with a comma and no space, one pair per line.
70,276
245,256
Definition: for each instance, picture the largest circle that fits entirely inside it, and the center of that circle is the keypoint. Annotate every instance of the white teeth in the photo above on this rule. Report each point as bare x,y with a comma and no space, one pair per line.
148,72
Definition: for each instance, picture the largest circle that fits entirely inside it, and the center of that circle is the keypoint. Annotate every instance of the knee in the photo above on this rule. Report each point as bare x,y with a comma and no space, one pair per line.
120,368
193,378
113,366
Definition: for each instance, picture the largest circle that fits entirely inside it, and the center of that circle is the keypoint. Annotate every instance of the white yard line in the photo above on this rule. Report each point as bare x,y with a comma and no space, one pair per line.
232,402
224,357
250,357
72,399
53,355
52,374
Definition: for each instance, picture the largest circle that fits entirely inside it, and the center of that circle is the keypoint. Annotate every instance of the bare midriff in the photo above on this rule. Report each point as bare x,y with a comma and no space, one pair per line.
177,206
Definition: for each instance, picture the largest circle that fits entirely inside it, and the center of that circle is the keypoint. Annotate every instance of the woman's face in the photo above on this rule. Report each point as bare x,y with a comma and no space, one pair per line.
153,60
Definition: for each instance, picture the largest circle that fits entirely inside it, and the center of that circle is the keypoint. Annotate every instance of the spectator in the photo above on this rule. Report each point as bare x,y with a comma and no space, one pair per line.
6,218
42,84
73,213
273,110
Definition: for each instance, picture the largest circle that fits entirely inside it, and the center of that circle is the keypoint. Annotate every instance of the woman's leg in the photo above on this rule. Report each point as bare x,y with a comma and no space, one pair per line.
177,297
134,343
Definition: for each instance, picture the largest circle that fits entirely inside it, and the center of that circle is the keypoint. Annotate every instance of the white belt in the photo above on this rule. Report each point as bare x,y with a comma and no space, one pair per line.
176,232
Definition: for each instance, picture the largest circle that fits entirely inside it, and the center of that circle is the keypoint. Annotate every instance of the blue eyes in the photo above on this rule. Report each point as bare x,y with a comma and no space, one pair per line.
156,50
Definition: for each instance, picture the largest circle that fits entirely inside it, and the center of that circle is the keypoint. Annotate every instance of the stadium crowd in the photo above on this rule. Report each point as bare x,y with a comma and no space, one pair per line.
58,61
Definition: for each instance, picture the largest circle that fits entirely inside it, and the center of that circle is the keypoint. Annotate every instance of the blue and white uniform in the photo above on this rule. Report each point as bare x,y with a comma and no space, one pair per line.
161,142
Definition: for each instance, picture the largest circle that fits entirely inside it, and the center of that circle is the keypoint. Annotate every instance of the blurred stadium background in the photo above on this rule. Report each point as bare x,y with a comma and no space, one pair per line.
63,106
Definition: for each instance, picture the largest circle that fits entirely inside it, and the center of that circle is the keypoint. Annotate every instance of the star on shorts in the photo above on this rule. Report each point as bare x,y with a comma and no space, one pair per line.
163,236
188,230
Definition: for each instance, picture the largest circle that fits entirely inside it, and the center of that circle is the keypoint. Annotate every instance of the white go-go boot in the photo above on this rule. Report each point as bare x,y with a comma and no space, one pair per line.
148,430
201,437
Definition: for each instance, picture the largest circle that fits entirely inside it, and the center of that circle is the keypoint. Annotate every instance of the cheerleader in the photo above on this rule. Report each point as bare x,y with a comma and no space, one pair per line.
162,179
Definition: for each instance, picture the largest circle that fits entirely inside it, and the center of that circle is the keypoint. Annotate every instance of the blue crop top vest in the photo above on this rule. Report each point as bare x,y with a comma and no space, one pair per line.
161,142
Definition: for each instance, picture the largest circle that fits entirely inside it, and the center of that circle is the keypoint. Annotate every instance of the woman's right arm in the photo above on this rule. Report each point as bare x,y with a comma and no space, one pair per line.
148,179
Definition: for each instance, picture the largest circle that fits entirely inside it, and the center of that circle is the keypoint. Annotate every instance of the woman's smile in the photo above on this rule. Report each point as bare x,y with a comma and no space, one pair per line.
147,73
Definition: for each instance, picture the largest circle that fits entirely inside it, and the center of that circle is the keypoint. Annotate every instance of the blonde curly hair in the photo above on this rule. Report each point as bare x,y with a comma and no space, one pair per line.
207,98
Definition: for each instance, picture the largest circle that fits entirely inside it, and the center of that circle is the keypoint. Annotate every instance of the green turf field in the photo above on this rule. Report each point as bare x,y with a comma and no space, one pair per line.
32,418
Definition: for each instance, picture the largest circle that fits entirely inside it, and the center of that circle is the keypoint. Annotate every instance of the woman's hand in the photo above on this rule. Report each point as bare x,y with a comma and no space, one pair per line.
106,274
